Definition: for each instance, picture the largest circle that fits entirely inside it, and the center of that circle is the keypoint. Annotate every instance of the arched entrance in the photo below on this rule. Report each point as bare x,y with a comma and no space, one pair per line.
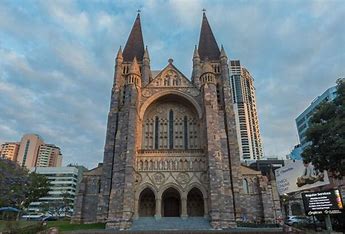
171,203
195,203
147,203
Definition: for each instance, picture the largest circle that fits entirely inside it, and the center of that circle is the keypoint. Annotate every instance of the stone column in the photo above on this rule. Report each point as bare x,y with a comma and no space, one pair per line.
184,214
136,209
158,214
205,208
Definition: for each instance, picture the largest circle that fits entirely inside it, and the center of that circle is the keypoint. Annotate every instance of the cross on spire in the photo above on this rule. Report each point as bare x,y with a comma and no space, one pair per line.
203,10
138,11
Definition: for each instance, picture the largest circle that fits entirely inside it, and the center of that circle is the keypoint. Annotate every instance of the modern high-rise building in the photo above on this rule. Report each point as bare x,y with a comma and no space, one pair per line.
33,152
302,121
64,185
9,150
49,156
243,95
28,150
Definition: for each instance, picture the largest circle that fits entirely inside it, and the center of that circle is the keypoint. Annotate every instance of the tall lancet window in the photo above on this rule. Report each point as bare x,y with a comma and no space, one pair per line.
185,126
171,129
156,132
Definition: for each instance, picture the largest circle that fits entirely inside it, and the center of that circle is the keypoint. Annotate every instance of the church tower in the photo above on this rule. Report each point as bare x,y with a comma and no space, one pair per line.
171,147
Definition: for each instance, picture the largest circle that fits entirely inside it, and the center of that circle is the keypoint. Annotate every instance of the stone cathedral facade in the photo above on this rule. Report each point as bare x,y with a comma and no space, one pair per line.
171,147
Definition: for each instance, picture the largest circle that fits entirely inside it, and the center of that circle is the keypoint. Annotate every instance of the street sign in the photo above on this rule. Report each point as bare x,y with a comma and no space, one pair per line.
327,202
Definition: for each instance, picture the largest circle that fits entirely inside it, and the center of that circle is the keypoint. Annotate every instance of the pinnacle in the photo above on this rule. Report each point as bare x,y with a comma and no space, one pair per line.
196,53
222,53
146,54
134,68
119,54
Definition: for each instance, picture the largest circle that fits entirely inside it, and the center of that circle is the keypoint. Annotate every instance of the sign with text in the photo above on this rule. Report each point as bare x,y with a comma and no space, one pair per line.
299,176
328,202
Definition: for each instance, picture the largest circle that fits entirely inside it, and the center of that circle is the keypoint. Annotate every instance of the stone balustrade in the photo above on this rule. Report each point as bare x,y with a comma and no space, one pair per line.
155,163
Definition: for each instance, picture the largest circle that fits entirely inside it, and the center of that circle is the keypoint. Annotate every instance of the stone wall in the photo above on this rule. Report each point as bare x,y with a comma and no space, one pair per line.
85,209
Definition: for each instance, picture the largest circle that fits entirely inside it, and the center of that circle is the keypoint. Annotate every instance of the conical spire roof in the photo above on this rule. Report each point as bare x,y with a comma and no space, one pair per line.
208,46
135,43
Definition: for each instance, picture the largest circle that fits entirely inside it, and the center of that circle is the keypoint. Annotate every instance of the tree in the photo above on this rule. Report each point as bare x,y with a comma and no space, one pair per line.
38,187
67,200
13,183
59,207
19,188
326,135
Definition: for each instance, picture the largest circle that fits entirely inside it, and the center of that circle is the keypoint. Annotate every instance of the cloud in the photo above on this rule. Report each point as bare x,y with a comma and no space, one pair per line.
57,61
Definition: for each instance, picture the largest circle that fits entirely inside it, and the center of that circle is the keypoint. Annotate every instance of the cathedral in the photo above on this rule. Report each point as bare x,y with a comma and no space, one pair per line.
171,147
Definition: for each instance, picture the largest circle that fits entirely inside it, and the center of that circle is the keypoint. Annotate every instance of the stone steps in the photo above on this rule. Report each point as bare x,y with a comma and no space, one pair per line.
171,223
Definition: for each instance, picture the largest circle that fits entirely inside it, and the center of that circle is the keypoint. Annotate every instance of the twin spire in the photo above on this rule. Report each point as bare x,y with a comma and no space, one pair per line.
135,43
207,49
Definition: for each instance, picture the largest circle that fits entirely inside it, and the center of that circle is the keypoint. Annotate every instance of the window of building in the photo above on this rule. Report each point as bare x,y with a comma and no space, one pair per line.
245,186
171,129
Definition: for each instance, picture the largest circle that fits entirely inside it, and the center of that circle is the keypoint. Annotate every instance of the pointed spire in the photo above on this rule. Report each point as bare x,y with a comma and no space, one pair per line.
208,46
135,43
146,54
134,68
222,53
119,54
196,53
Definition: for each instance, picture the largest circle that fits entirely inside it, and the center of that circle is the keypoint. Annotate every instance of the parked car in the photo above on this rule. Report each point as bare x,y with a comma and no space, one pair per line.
50,218
33,217
298,220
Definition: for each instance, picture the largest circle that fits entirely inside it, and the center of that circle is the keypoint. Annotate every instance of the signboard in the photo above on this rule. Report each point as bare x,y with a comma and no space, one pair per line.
328,202
299,176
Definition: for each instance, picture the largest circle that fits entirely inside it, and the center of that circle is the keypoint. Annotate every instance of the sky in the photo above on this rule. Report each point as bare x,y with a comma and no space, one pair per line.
57,61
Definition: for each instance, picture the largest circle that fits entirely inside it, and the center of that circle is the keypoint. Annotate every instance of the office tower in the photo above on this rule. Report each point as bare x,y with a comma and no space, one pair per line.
243,96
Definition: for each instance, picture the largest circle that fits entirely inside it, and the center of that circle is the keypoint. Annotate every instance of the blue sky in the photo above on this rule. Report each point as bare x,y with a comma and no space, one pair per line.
57,61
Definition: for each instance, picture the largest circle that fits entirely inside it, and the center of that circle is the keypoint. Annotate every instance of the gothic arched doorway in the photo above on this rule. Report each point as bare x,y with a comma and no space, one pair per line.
171,203
195,203
147,203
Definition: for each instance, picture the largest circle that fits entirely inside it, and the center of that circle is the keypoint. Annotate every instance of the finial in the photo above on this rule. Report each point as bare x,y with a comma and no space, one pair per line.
138,11
204,12
170,60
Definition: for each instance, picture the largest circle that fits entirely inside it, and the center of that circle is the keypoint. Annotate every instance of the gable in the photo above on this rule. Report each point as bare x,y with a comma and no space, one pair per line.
248,171
170,76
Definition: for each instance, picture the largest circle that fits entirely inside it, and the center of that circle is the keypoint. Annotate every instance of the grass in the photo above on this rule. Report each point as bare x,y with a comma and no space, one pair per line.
23,227
67,226
20,224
